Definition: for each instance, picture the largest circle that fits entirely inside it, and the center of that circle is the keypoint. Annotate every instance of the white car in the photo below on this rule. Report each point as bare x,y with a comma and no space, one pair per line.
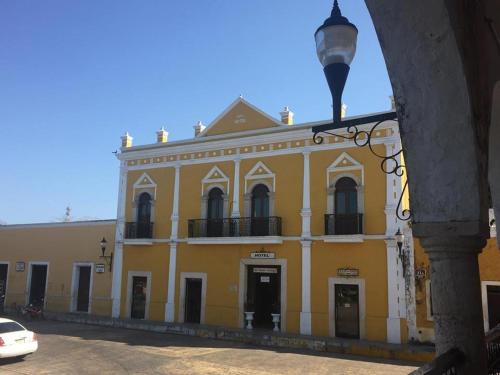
15,340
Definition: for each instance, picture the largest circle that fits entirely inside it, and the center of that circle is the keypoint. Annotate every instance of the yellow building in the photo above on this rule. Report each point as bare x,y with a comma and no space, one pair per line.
57,266
251,221
247,224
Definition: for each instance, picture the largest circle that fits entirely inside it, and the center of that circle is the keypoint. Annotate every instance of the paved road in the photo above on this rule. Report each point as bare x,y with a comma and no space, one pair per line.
67,348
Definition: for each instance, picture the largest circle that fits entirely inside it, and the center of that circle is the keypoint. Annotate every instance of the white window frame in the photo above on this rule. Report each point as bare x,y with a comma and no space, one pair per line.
130,277
345,171
6,281
484,300
332,281
75,278
182,297
243,287
28,281
138,189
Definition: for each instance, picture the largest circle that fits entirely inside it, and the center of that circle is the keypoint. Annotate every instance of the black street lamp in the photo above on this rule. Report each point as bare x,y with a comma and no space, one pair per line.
336,47
107,258
401,253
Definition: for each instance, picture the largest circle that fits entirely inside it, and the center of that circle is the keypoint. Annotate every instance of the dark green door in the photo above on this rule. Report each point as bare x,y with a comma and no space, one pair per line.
347,311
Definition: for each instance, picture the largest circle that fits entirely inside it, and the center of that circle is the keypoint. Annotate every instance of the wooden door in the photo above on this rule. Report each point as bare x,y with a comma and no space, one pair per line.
192,309
83,296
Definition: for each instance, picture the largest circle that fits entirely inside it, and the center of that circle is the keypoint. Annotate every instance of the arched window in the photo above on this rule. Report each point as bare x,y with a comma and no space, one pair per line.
260,201
260,210
215,204
215,212
346,196
347,220
144,228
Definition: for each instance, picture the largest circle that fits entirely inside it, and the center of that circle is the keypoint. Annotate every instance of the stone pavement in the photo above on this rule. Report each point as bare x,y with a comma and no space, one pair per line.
70,348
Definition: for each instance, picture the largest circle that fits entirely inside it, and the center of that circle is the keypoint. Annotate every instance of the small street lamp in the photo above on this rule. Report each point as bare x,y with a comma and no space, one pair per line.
107,258
401,253
336,46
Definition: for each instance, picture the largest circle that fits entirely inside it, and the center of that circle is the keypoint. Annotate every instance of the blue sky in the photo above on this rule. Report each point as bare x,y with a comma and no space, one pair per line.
75,75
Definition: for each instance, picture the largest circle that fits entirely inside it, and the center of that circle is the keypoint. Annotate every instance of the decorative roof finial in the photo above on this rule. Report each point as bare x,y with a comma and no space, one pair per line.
336,10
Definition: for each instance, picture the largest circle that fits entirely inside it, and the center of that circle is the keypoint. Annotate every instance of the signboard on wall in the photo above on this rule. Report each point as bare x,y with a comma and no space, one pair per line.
420,273
265,279
347,272
262,255
20,266
265,270
100,268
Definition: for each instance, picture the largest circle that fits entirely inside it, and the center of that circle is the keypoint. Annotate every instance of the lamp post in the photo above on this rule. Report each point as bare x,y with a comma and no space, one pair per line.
336,46
107,258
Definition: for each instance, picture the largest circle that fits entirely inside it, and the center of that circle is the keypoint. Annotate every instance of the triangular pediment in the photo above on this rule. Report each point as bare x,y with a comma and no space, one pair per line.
240,116
215,175
258,171
343,161
144,181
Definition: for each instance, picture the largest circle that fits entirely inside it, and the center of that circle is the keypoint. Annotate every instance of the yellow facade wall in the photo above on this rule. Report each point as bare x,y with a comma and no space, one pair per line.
370,258
164,179
61,245
374,189
288,170
154,259
240,118
190,191
221,263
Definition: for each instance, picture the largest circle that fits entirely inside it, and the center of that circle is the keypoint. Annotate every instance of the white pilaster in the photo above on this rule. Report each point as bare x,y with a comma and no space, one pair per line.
235,212
305,213
305,314
118,251
170,305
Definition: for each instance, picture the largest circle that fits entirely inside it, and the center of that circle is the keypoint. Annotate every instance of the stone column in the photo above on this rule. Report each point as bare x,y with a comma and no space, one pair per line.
119,235
170,305
456,297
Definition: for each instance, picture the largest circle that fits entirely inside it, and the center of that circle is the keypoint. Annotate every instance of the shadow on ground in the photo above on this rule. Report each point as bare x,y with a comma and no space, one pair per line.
165,340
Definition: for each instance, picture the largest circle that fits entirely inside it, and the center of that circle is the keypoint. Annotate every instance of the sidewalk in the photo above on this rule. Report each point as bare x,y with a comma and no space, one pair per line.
419,353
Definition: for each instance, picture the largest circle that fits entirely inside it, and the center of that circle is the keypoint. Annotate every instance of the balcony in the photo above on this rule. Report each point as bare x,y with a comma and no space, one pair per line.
236,230
347,225
137,230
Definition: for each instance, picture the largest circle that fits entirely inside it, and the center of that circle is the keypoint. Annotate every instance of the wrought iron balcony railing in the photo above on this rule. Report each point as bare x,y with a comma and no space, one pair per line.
138,230
343,224
235,227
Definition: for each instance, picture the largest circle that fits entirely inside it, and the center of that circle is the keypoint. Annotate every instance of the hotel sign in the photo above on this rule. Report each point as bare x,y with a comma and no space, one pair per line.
347,272
262,255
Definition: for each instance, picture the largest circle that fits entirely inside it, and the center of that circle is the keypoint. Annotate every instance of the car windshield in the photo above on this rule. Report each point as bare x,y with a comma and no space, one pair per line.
7,327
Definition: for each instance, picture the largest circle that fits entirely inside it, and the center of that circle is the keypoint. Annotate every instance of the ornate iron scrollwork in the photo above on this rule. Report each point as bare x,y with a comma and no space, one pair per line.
389,164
